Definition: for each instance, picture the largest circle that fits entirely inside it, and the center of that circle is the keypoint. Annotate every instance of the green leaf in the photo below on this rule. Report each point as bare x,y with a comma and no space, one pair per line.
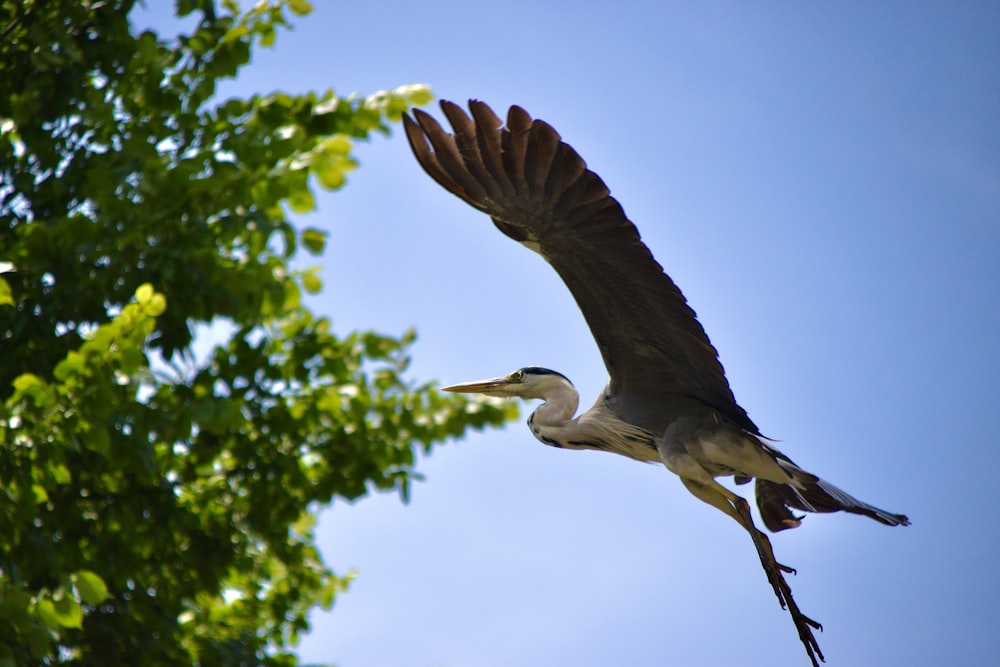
339,144
31,386
131,359
314,240
267,36
330,177
144,293
41,495
73,364
91,587
39,641
46,611
156,305
60,473
28,383
98,440
69,614
311,282
292,298
416,94
5,295
300,7
302,201
304,526
235,33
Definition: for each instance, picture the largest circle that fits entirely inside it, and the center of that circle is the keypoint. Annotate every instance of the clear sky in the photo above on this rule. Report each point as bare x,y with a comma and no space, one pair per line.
822,180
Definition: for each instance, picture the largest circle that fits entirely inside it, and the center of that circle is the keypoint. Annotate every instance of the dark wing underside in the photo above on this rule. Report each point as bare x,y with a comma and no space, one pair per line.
539,192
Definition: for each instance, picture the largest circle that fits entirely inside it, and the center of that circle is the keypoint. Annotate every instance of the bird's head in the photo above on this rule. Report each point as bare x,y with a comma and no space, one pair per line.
530,382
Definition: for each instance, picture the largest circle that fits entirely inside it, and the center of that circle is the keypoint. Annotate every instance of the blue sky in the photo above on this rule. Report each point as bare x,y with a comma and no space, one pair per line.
823,182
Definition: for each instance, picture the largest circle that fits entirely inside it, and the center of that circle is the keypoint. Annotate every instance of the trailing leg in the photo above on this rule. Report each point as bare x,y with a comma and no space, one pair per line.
722,498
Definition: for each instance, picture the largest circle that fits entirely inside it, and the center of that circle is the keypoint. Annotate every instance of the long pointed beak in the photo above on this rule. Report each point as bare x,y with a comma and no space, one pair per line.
492,387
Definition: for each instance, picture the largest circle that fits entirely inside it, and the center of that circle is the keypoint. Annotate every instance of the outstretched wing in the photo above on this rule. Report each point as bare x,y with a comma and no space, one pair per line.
539,192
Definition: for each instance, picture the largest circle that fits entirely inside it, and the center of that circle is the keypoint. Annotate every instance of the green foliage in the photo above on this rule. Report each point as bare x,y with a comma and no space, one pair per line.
156,507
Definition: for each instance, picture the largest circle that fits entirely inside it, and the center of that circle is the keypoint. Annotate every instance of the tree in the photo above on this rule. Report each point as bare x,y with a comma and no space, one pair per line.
155,507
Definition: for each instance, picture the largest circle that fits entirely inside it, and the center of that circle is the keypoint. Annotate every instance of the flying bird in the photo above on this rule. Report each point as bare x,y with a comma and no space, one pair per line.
668,400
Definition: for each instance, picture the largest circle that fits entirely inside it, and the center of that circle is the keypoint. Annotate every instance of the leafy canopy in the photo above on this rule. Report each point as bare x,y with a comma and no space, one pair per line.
155,507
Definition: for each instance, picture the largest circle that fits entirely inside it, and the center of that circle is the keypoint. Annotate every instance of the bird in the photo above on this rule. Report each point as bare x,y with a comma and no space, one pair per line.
667,400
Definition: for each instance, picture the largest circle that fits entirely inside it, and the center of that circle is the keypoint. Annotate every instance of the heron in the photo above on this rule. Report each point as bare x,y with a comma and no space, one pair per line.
667,400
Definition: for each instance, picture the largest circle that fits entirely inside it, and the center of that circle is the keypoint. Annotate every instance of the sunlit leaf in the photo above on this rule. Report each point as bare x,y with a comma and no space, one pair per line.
6,299
300,7
156,305
68,612
71,365
302,201
330,177
311,281
416,94
60,473
46,611
338,144
91,587
267,37
41,495
144,293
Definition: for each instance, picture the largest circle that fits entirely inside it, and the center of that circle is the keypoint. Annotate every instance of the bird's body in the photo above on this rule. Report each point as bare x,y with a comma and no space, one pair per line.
598,429
668,399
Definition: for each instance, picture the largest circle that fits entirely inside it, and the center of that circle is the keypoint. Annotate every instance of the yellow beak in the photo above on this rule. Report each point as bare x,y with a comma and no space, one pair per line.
492,387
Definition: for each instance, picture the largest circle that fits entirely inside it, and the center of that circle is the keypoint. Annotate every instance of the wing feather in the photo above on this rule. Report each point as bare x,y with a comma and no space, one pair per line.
420,143
488,133
466,141
539,191
543,145
452,162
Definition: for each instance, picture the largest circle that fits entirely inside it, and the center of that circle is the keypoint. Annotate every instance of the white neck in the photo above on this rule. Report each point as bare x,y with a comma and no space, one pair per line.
598,428
561,402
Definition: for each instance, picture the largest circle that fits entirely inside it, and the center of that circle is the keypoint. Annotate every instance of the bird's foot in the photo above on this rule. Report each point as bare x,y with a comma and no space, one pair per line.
803,624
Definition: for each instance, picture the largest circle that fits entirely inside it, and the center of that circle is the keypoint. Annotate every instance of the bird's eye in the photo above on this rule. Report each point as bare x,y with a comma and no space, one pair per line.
518,375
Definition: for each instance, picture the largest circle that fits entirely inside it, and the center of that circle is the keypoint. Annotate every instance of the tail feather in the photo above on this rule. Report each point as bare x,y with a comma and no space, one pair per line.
773,506
809,493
